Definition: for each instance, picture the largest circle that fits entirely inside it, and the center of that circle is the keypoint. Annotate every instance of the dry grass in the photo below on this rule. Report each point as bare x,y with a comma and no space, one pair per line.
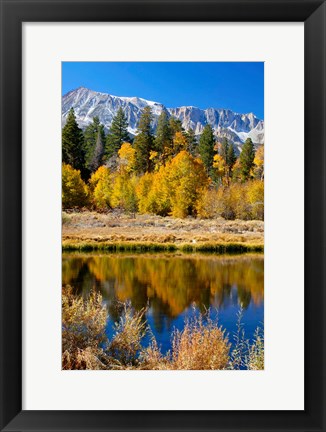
126,343
256,352
246,355
201,345
117,231
83,331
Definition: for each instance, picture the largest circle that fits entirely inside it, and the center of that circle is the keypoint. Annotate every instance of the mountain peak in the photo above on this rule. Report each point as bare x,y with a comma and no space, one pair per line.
225,123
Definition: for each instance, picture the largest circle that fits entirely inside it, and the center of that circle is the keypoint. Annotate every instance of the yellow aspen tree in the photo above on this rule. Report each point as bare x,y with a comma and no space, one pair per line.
74,190
219,167
179,142
259,163
143,189
127,157
100,185
187,178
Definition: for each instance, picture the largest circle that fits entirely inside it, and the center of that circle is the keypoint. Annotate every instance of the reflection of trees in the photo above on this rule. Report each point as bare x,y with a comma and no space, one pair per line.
75,272
171,283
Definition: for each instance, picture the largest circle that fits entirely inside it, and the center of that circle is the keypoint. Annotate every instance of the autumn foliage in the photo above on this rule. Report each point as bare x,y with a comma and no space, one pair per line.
169,174
74,190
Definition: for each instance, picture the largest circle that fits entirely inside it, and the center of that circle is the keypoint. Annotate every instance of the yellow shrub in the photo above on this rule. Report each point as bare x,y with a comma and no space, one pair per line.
200,346
207,205
255,196
83,330
241,201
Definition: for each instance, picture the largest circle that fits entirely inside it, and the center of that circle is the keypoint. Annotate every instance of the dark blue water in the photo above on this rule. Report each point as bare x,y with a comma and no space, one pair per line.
174,287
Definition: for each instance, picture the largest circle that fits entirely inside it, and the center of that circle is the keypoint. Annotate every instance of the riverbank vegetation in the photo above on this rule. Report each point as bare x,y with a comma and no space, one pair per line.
115,230
202,344
172,173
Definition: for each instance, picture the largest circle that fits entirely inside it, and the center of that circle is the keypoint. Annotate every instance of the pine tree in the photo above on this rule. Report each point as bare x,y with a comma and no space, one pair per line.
118,134
163,133
247,157
143,142
91,134
175,125
224,150
98,153
231,156
191,142
206,148
228,155
72,143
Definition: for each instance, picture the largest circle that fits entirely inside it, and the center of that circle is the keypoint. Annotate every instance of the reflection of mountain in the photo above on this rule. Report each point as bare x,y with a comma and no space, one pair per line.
170,283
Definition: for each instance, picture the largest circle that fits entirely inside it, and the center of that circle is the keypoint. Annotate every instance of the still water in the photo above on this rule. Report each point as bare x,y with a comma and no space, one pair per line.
174,286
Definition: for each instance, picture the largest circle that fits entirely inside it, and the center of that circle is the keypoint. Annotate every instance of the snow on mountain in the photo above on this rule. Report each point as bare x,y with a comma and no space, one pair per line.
225,123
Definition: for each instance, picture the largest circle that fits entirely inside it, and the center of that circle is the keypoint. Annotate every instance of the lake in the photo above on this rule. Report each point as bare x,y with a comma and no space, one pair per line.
174,286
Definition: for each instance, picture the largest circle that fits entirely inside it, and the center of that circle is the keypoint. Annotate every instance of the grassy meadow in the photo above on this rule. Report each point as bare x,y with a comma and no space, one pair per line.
87,230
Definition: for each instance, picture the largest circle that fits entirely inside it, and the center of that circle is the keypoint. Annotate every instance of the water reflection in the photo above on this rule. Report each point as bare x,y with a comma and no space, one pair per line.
169,283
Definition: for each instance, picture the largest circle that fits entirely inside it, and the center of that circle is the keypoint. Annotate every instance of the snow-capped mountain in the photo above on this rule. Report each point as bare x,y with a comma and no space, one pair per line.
225,123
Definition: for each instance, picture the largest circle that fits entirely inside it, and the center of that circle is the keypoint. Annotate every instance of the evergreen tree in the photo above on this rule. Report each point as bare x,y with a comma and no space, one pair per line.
175,125
191,142
72,143
228,155
224,150
247,157
163,133
206,148
118,134
90,138
231,156
143,142
98,153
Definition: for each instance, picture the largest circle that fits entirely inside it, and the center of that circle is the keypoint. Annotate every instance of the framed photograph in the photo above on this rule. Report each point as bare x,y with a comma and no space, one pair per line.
149,279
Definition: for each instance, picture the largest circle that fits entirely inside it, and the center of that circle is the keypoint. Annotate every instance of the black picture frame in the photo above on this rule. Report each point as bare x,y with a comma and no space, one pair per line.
13,14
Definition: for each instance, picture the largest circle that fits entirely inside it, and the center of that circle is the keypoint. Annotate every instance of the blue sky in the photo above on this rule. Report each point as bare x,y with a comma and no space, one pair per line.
238,86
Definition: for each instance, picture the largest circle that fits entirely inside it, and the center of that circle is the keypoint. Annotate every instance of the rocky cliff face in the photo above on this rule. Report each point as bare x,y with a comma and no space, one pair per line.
225,123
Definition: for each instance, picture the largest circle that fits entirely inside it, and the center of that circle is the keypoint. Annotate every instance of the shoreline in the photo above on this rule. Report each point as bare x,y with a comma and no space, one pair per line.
91,231
220,248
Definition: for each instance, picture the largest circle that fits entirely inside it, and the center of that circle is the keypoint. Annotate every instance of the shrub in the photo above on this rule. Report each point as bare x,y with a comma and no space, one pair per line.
255,196
74,190
126,343
246,355
226,204
200,346
237,201
83,331
255,360
207,205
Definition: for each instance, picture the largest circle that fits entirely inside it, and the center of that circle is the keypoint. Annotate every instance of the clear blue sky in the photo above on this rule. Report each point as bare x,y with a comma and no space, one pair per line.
238,85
